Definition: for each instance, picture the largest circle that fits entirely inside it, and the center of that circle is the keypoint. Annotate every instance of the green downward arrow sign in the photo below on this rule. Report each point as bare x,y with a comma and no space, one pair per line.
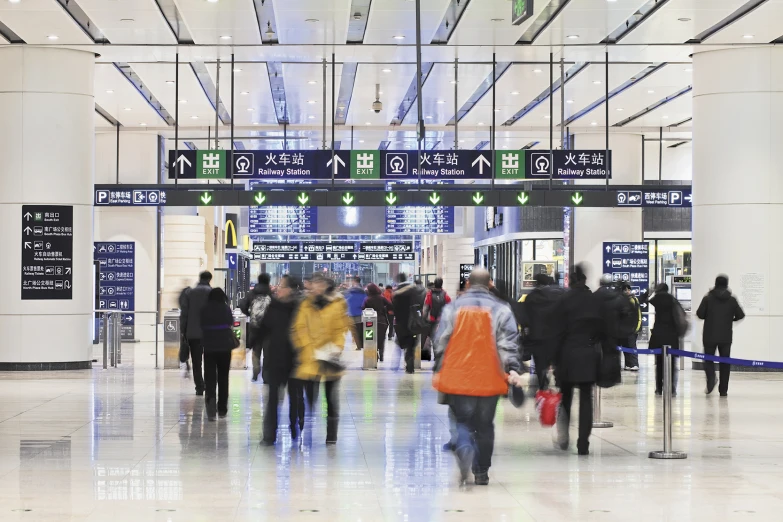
478,197
577,198
434,198
206,198
523,198
348,198
303,198
260,198
391,198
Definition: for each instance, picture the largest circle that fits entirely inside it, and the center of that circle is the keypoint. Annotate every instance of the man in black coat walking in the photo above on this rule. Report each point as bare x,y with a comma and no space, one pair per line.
192,304
719,310
537,312
405,296
664,333
261,291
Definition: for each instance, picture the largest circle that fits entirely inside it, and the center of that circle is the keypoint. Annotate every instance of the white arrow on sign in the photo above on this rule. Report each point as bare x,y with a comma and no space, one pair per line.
337,162
27,216
181,162
481,160
67,284
27,245
689,199
27,230
67,270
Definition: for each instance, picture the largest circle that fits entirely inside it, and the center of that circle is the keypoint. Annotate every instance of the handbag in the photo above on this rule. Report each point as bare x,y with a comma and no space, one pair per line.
329,357
547,404
609,370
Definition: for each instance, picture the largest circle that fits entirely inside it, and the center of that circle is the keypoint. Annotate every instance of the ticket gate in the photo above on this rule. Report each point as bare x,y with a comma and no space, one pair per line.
370,338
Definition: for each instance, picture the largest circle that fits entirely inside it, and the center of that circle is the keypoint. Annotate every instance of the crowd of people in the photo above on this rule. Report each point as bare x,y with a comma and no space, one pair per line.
479,342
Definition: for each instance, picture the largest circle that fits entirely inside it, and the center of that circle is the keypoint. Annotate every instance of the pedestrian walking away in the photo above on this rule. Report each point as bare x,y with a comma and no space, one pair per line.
665,332
376,301
581,314
192,304
318,336
719,310
254,306
274,337
535,315
355,297
634,319
475,347
405,297
388,293
437,298
218,340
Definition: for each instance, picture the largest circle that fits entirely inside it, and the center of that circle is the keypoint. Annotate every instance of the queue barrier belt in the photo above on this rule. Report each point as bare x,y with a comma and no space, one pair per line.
640,351
728,360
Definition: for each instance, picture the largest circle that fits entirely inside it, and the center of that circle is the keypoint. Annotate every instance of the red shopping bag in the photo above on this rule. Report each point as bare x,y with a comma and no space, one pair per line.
547,402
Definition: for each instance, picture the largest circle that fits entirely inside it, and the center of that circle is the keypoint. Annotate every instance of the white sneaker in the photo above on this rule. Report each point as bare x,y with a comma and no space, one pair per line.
185,367
634,368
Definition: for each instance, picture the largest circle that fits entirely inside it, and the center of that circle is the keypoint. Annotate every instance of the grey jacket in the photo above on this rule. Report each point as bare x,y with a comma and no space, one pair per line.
193,302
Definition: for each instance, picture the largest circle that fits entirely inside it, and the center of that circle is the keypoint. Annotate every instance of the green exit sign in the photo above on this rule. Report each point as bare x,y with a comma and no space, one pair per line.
521,10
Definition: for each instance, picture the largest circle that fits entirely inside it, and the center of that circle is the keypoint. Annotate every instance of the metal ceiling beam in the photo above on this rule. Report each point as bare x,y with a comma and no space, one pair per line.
127,71
451,18
480,91
681,142
547,16
168,8
344,95
743,10
384,145
106,116
530,145
83,21
357,25
570,74
481,145
411,95
208,86
639,16
9,35
277,84
265,16
686,120
660,103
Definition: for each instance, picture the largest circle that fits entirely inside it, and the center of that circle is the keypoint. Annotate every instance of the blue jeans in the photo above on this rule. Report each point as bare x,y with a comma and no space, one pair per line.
475,426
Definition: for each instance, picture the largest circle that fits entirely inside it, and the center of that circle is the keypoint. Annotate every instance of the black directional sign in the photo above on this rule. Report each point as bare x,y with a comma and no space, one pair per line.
47,252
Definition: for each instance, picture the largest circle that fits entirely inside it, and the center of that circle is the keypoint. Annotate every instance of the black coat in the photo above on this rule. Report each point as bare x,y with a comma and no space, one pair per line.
274,338
540,321
405,296
719,309
381,305
192,303
244,305
217,324
611,303
664,332
578,354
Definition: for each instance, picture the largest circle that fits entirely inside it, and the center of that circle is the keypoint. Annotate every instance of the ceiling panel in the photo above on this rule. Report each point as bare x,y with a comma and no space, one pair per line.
664,26
669,114
764,24
252,92
328,21
115,94
209,21
129,21
390,18
100,122
590,21
394,85
35,20
305,100
193,100
487,22
648,91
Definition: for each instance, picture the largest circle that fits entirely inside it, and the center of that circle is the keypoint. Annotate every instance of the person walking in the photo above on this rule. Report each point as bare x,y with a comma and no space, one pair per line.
318,336
388,293
254,306
581,314
475,348
437,298
635,323
184,347
274,338
376,301
664,333
354,297
406,296
537,312
192,304
218,339
719,310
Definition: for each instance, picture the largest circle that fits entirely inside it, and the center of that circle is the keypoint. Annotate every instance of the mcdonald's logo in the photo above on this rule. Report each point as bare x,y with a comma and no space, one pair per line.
232,220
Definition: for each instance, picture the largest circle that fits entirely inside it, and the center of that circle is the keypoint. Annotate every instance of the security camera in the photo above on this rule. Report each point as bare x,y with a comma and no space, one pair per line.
377,106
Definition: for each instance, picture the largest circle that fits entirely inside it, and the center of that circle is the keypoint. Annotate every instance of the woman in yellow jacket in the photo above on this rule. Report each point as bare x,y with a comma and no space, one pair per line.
319,339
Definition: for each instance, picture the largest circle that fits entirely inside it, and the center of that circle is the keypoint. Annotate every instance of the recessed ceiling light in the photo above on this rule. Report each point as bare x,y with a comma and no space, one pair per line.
255,123
747,36
569,101
505,146
441,102
572,36
169,82
546,117
688,69
14,1
380,92
311,102
651,91
311,20
126,109
497,110
481,123
237,69
462,141
225,37
109,91
597,82
399,37
312,146
143,124
497,19
386,70
212,1
619,109
514,93
183,101
312,82
537,71
428,117
361,141
665,117
368,123
52,37
311,117
684,19
244,93
453,82
593,123
250,109
194,117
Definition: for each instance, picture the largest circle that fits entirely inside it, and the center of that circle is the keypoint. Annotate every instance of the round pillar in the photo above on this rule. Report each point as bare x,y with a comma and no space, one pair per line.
47,133
593,226
738,188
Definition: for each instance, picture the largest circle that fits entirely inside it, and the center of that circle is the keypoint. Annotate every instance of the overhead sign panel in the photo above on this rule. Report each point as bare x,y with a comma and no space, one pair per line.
569,164
47,252
521,10
334,256
682,197
420,220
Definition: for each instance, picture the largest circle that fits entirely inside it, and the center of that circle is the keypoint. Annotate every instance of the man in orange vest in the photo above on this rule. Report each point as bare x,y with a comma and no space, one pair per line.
475,346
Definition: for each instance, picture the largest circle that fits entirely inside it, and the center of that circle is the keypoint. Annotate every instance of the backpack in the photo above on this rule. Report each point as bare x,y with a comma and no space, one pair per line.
628,318
438,302
258,309
680,319
417,324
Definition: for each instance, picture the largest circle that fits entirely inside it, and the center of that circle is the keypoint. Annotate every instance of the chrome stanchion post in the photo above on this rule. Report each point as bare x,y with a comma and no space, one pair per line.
667,452
105,340
118,336
598,423
112,342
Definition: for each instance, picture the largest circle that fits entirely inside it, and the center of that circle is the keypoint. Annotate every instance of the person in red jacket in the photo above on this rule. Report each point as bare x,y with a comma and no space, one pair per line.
388,293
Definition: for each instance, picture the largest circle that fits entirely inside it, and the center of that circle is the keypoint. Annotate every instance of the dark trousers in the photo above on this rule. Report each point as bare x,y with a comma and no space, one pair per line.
408,343
358,334
475,427
542,363
724,349
311,389
196,354
391,327
585,409
631,359
659,374
295,407
381,339
216,366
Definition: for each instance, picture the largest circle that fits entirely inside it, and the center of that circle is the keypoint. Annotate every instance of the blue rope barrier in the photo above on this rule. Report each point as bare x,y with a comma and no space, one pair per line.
728,360
640,351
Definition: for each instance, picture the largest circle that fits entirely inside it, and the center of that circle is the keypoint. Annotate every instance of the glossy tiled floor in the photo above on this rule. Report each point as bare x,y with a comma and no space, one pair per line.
133,444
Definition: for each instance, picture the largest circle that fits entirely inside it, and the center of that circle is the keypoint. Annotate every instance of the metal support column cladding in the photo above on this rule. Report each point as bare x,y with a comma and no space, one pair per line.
420,131
118,153
176,117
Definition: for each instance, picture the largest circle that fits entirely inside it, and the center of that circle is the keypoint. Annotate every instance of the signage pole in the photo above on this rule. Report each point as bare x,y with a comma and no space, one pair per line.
118,153
420,119
323,123
606,86
456,107
176,118
492,130
217,104
551,114
562,103
334,164
660,154
233,87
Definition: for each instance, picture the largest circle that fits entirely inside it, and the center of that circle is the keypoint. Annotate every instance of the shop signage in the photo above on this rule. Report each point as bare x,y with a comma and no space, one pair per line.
47,252
116,285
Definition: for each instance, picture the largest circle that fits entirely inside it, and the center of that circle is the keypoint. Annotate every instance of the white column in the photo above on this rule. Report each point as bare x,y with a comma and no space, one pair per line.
47,125
738,188
593,226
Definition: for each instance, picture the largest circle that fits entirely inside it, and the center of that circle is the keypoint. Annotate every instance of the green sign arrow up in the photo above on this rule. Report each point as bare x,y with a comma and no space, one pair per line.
206,198
391,198
348,198
478,197
368,334
577,198
523,198
260,198
303,198
434,198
